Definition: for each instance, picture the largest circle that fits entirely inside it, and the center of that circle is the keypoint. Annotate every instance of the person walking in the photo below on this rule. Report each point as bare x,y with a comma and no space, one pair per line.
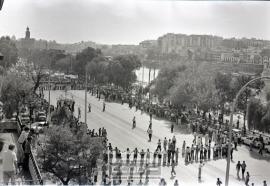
89,107
173,173
247,178
9,166
172,127
128,156
200,170
159,157
176,183
192,152
27,152
104,106
150,132
218,182
261,149
159,145
147,157
264,183
231,153
164,157
134,122
176,155
23,137
165,142
142,153
238,167
79,113
243,166
135,155
183,148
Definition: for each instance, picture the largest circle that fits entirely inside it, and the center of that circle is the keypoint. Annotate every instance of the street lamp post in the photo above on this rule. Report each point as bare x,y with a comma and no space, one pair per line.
85,104
233,106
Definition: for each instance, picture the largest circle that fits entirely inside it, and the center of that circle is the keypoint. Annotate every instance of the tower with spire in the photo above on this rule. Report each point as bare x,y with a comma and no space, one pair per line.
27,33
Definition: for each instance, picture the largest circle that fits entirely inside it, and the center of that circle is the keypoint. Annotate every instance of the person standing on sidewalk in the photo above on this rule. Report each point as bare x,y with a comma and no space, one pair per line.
89,107
173,173
27,152
200,170
104,106
172,127
9,166
238,167
23,137
247,178
150,132
243,166
219,182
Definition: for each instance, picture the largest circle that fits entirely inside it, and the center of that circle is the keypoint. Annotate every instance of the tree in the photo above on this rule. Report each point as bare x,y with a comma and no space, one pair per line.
195,85
97,70
223,86
265,121
10,52
166,80
129,63
15,92
68,155
85,57
65,64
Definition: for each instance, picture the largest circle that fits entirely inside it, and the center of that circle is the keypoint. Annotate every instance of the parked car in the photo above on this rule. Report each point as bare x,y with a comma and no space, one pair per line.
251,139
25,119
42,120
38,127
266,140
267,148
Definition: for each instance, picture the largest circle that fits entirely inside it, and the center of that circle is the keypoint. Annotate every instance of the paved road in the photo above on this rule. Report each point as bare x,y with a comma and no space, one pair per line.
117,119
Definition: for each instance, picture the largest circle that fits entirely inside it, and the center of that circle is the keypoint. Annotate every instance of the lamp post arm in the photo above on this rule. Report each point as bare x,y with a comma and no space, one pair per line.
231,122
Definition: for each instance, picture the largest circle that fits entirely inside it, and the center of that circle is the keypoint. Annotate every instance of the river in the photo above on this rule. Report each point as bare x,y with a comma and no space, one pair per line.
143,75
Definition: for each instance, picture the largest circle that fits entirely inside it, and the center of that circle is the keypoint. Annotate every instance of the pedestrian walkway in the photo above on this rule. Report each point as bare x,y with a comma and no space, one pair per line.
11,138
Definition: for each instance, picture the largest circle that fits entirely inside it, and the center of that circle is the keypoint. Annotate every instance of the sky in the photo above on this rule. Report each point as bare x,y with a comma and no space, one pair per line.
132,21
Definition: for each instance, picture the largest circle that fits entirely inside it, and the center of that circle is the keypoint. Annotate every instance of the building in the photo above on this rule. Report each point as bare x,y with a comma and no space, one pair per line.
175,43
148,44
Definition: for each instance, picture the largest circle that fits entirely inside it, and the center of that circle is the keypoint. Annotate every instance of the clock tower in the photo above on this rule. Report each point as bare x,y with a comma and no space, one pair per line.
27,33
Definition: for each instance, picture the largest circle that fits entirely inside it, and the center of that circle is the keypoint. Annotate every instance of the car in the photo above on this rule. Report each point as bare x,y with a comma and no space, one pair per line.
25,119
41,113
267,148
38,127
266,140
251,139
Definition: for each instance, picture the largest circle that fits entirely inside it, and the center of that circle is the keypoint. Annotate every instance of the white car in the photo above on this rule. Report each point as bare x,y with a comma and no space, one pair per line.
267,148
250,139
25,119
38,127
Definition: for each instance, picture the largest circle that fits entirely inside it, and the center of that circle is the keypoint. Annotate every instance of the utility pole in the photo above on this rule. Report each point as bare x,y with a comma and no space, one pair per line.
4,70
49,112
85,103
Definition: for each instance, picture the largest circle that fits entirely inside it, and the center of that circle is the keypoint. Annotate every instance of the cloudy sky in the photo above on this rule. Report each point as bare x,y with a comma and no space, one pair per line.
131,21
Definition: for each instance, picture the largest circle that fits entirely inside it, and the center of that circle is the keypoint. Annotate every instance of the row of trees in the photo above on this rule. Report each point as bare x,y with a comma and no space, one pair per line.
201,85
102,70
